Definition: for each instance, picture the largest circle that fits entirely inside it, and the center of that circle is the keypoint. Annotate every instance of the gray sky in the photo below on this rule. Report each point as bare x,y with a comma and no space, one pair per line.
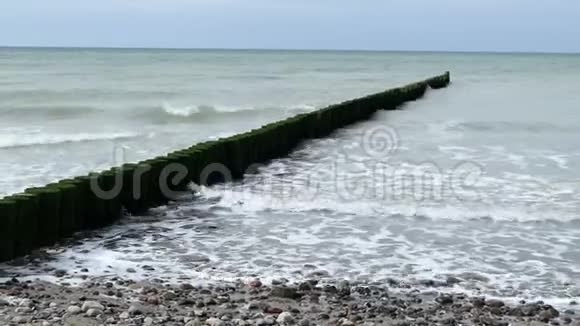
451,25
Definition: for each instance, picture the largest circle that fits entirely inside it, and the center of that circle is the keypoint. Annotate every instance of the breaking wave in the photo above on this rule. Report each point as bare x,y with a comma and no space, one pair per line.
208,111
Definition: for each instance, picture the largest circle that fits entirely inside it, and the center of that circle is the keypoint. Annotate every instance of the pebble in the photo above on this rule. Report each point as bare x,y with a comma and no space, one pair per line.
285,292
147,268
239,322
94,312
19,320
285,318
345,322
187,302
60,273
274,310
494,303
169,296
210,302
135,310
255,283
92,305
444,299
23,310
73,310
478,302
305,287
214,322
195,322
186,286
547,315
264,322
199,313
343,287
154,300
488,321
529,309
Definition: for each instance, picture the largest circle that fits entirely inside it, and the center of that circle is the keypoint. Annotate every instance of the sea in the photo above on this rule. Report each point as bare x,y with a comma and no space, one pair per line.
479,181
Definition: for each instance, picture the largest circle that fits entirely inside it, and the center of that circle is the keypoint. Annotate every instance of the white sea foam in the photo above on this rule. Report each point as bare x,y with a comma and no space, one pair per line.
560,160
183,111
193,110
209,242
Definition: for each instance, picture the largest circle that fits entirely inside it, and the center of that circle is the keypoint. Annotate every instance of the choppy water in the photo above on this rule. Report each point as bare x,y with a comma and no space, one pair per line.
480,180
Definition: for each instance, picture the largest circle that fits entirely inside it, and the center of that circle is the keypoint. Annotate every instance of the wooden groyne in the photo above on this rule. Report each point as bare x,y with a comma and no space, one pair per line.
40,216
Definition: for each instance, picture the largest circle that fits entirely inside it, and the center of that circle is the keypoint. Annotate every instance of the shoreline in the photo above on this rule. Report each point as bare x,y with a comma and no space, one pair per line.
45,297
155,302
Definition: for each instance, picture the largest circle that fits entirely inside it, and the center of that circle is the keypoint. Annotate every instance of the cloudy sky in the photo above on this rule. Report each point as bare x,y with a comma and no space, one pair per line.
451,25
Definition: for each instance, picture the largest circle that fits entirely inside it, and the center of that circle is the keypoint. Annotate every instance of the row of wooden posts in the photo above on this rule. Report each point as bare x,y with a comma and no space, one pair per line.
40,216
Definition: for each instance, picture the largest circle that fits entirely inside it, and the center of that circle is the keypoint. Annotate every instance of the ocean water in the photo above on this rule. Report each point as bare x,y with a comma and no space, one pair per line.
480,180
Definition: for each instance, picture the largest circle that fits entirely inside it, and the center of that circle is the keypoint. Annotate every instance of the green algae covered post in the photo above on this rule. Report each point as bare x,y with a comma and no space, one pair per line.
194,165
439,81
109,185
128,200
209,155
96,210
157,195
26,226
80,196
235,155
49,218
136,193
68,207
149,187
8,216
183,161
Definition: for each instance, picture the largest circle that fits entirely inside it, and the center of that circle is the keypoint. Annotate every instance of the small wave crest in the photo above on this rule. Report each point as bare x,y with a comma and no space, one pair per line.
215,111
509,126
203,109
47,111
16,141
184,111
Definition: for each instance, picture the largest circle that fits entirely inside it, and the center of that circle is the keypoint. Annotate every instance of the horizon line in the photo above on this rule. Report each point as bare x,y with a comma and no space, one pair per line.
67,47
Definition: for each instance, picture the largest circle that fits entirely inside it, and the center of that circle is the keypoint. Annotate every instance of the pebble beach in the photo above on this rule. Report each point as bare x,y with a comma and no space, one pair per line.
154,302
